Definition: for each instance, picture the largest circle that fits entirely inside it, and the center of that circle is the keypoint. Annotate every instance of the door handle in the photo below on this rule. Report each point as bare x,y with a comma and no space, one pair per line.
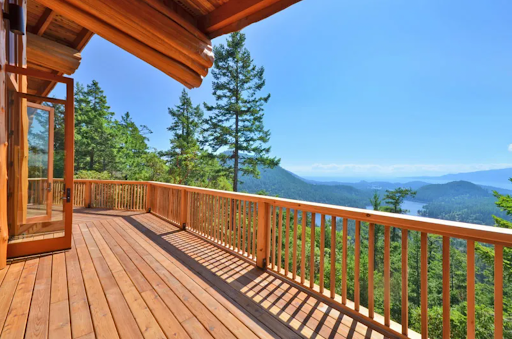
68,194
49,187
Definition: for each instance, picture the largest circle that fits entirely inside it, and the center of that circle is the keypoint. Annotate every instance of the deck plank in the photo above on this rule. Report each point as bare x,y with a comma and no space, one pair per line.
103,321
16,321
7,289
60,321
125,322
37,326
147,323
208,319
237,327
81,321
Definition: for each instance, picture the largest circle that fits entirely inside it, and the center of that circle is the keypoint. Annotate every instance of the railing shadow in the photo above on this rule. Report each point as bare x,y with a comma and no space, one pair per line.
253,291
104,212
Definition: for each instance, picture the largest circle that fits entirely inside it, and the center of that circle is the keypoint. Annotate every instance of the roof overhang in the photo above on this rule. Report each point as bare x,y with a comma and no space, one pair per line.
173,36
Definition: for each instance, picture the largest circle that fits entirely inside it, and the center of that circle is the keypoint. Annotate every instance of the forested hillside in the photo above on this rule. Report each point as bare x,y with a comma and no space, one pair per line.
453,189
459,201
280,182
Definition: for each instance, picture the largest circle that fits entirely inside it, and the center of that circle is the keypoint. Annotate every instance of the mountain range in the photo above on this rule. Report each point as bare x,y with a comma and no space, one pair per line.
453,199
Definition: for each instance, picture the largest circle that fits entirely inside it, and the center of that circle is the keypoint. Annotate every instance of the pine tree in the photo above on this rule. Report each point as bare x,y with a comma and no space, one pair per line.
236,123
189,163
132,148
94,134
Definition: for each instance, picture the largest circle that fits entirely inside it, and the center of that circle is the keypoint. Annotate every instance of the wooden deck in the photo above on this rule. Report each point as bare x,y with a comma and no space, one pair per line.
133,275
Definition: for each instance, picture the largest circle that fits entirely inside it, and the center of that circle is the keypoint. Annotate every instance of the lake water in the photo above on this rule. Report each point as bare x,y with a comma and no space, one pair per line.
412,206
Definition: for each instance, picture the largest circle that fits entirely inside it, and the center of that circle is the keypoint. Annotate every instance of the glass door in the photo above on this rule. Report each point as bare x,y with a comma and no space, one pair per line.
40,164
40,173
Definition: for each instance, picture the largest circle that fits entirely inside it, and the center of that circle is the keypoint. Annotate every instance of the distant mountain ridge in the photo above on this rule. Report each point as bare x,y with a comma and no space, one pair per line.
496,177
450,190
283,183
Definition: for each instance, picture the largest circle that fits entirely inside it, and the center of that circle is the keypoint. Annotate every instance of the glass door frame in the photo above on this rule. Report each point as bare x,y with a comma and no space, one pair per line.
49,188
32,247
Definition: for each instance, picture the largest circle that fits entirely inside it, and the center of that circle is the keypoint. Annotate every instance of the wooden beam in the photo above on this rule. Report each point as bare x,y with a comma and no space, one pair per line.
82,39
37,98
231,12
219,22
179,18
44,21
150,27
162,62
51,54
79,44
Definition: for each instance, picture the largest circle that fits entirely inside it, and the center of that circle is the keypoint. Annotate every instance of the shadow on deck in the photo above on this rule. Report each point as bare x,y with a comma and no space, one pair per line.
133,275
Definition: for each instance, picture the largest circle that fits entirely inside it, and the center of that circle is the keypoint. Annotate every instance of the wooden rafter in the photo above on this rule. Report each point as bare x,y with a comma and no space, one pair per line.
235,15
44,21
232,11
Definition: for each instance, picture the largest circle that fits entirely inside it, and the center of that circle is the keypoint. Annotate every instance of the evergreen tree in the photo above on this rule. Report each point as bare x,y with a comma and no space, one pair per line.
186,120
189,164
236,123
395,198
132,148
94,134
376,201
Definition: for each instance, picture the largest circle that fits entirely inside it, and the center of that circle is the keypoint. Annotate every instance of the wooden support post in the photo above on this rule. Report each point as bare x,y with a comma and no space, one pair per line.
87,199
184,208
4,233
263,234
148,197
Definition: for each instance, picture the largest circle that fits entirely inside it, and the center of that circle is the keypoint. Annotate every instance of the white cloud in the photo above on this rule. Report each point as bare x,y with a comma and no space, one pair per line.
510,148
397,170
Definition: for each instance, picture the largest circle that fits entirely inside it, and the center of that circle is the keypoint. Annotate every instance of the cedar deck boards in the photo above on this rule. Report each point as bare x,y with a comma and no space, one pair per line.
133,275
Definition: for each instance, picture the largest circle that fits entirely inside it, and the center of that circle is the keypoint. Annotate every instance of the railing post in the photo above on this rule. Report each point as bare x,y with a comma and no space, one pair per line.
87,198
148,198
184,208
263,234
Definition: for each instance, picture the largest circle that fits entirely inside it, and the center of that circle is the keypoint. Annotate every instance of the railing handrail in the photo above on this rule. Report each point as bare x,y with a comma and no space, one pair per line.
455,229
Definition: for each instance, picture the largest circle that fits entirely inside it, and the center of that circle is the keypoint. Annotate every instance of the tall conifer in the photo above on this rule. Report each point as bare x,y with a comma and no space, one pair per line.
235,127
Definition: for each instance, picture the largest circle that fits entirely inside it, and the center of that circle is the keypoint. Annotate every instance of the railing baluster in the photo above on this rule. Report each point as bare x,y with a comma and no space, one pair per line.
405,282
239,235
371,253
295,236
357,254
471,288
254,228
312,253
249,229
498,291
303,249
280,240
333,257
224,222
446,287
424,285
243,226
387,276
344,263
274,219
216,219
286,243
322,246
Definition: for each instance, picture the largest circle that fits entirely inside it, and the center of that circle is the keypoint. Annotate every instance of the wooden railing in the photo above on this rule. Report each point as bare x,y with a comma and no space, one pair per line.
279,235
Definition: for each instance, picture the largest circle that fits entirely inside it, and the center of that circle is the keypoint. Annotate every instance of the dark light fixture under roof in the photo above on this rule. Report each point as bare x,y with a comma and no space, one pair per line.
16,19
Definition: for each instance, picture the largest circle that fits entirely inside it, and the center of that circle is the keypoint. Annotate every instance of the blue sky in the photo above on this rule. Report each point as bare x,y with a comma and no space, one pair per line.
365,88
